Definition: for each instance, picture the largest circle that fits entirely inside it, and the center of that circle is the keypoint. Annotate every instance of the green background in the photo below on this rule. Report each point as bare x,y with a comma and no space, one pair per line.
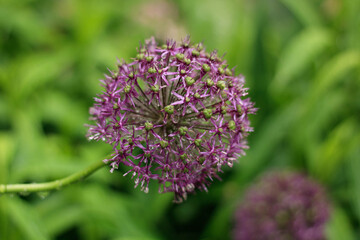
302,64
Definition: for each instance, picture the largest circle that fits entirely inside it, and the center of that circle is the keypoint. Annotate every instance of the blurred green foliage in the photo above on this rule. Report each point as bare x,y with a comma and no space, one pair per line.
301,60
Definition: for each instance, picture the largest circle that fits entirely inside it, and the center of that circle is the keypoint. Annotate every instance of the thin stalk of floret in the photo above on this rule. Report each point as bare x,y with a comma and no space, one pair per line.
197,125
192,114
145,108
155,109
140,114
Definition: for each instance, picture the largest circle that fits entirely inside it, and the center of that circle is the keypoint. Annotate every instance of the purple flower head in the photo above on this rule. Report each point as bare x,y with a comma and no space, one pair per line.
176,114
282,205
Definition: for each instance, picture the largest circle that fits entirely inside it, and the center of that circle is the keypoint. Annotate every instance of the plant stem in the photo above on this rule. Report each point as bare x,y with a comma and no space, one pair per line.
48,186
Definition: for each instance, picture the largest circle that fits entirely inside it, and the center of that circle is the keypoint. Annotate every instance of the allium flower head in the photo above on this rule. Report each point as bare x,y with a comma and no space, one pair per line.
282,205
176,114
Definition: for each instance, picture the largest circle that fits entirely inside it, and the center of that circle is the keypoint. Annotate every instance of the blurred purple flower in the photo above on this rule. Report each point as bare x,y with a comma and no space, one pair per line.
175,114
282,205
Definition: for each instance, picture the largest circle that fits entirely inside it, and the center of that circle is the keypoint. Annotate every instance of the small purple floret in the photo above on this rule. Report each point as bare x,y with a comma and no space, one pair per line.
282,205
175,114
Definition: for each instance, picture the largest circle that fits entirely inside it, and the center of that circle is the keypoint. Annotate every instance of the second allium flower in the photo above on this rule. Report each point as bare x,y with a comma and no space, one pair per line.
176,114
281,206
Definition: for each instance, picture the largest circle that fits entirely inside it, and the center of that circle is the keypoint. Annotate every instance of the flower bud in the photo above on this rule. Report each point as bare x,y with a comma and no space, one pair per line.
169,109
206,67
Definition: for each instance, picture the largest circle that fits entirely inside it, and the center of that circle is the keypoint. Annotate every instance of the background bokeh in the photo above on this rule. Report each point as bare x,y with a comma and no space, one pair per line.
302,64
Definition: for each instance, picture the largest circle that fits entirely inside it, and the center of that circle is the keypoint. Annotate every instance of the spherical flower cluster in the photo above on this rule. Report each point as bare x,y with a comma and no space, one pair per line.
282,205
176,114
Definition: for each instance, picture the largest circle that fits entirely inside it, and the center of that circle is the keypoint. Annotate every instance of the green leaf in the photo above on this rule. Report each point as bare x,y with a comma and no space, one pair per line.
38,69
223,216
317,119
339,226
333,71
26,220
332,152
305,11
24,22
59,109
299,54
59,220
274,130
109,214
7,146
354,176
135,238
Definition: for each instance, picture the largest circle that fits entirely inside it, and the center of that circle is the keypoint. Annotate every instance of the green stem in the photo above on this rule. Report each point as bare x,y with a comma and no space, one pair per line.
48,186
